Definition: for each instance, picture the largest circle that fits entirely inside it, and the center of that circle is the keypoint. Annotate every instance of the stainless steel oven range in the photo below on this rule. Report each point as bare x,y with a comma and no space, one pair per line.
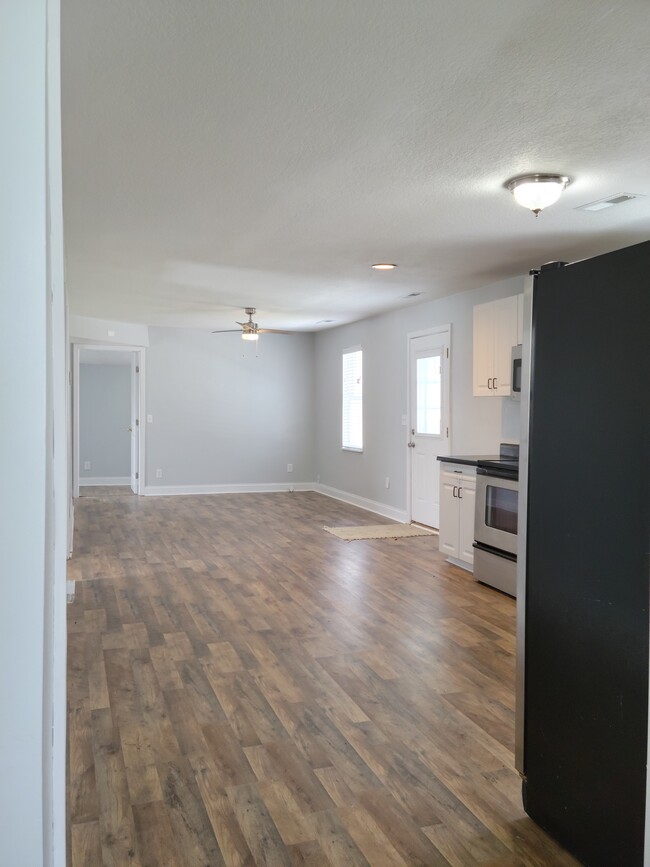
495,521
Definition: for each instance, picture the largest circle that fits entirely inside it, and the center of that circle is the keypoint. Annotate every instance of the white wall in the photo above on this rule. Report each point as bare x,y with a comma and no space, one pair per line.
104,420
32,441
222,416
476,423
87,329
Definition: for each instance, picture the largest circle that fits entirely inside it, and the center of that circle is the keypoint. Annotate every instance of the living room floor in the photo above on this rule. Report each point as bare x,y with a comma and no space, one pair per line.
245,688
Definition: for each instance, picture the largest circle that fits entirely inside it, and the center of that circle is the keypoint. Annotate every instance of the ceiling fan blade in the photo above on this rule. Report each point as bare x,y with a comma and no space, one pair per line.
228,331
274,331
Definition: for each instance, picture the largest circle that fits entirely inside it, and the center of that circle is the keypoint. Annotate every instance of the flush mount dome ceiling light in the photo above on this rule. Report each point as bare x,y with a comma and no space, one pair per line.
537,191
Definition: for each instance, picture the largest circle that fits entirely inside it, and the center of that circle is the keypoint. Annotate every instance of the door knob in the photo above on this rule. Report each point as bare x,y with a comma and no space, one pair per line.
130,429
411,445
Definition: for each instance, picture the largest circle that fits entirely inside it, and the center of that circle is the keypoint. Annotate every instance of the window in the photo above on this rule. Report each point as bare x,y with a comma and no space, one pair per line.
429,393
353,399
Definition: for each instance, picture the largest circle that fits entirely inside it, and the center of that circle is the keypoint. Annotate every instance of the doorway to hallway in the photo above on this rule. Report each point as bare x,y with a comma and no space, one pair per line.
108,398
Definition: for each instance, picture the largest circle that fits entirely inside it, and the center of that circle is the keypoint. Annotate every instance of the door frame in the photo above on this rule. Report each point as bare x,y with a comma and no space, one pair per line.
140,362
425,332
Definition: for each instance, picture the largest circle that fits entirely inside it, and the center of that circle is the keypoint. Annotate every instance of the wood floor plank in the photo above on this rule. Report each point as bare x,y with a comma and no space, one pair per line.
85,844
258,828
155,835
245,689
118,838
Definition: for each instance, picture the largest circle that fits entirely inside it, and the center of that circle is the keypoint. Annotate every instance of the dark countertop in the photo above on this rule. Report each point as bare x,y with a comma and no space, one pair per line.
469,460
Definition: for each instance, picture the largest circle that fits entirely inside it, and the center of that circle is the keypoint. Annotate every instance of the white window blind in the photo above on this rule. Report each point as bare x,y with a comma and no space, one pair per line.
353,399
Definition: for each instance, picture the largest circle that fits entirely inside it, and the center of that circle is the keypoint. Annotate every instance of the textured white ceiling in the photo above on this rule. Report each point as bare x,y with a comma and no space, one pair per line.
266,152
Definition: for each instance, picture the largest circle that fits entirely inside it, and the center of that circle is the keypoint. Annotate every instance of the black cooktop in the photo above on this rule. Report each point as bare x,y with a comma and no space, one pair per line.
498,463
507,459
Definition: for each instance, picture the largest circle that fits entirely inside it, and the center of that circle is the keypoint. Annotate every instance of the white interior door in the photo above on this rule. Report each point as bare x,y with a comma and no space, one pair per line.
428,422
135,423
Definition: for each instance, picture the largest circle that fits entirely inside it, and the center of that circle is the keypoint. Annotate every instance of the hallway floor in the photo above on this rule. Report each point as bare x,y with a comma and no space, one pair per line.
246,689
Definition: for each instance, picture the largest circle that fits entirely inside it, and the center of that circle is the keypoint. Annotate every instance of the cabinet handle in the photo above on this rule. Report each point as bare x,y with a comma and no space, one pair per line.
489,381
495,383
453,493
460,493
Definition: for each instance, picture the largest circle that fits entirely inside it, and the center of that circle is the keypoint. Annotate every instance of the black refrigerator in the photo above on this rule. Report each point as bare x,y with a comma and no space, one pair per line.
584,564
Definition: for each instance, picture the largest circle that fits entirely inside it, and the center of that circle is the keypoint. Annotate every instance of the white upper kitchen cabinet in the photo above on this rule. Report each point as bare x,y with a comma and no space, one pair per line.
496,331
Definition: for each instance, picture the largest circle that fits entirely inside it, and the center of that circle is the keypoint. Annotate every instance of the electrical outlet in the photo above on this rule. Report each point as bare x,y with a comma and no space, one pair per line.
111,333
289,468
404,420
387,482
86,465
159,474
318,479
149,419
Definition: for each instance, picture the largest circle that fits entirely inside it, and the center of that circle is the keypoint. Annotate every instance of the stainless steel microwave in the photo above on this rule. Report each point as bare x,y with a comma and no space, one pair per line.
515,373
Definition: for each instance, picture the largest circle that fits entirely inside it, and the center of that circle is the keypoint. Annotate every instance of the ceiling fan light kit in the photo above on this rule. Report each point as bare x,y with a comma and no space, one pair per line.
250,330
537,191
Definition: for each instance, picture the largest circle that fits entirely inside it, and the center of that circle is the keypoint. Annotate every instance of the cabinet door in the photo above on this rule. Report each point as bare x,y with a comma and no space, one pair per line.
483,346
467,504
448,539
505,331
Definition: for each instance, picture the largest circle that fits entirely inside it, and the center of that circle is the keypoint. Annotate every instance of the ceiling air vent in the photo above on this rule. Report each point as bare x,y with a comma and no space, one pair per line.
609,202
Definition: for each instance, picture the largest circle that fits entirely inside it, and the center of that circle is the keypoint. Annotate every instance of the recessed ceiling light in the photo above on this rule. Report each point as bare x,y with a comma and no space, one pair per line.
384,266
537,191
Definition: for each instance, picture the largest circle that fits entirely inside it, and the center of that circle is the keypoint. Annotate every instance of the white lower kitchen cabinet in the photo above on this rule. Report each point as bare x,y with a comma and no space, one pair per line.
457,502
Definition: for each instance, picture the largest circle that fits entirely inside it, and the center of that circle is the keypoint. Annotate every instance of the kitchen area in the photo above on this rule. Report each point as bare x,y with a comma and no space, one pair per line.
570,539
479,493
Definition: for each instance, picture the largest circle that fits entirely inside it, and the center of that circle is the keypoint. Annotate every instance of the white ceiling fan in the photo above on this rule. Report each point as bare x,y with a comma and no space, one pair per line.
250,330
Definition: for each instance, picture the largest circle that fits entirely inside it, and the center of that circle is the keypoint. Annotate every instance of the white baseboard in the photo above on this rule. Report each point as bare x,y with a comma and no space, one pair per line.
399,515
363,503
105,481
261,488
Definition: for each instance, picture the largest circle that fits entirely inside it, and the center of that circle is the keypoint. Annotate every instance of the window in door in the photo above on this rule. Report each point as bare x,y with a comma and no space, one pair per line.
352,427
429,394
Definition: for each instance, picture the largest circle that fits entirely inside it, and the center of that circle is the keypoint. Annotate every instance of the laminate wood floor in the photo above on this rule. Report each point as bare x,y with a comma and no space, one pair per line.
246,689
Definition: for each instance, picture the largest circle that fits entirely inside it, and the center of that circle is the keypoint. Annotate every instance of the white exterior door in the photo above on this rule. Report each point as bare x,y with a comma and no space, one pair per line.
428,422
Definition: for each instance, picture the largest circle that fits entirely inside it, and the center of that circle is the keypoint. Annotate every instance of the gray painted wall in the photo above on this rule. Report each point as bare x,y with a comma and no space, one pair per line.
476,423
104,418
31,450
221,415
